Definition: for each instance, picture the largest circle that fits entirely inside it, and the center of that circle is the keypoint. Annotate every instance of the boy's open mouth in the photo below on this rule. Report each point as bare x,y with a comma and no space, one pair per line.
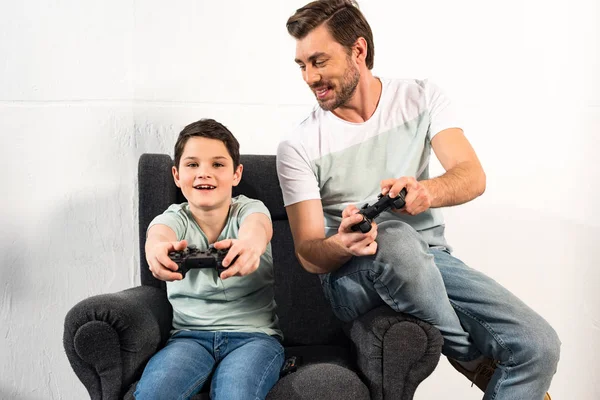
205,187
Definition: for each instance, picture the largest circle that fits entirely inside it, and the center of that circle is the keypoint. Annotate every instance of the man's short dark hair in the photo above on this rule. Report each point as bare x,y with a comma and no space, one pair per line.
210,129
342,18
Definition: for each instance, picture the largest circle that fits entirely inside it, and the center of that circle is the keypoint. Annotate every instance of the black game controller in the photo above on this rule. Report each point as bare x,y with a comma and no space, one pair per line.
194,258
290,365
369,213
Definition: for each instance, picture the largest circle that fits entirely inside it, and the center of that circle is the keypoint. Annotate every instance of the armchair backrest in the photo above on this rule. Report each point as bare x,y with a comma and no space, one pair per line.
304,315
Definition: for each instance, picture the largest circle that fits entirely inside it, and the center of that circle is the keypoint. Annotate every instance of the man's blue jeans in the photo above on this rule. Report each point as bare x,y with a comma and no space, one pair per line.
473,312
243,366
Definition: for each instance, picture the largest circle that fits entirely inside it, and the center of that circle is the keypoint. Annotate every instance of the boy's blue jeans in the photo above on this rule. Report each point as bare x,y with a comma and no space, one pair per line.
244,366
473,312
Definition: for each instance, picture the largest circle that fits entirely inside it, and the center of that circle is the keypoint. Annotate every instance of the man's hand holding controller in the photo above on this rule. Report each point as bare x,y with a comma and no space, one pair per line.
357,231
370,212
418,199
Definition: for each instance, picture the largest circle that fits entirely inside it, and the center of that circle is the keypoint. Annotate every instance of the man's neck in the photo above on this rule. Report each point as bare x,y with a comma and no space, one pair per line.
364,102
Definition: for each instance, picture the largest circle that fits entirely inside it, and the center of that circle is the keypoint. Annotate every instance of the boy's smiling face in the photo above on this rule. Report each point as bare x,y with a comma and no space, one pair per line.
206,174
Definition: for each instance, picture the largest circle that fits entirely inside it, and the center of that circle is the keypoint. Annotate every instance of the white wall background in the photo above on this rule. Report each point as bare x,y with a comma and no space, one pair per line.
87,86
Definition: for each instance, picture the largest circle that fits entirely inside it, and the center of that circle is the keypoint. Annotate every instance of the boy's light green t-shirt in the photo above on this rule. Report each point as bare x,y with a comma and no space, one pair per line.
202,301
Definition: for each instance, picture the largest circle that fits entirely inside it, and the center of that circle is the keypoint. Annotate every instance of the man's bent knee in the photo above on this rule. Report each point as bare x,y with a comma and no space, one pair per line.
543,349
400,246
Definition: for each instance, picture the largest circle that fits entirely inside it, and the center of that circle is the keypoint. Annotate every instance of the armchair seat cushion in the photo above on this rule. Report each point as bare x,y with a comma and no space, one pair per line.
320,381
324,372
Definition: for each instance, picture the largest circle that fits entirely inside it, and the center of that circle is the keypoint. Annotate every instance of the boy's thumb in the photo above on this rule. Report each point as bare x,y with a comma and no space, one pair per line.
181,245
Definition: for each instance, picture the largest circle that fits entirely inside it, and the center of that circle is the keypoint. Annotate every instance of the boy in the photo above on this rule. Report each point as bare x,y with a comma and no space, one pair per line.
223,327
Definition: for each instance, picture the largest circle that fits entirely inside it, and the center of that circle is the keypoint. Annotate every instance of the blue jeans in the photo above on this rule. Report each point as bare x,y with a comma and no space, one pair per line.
473,312
243,366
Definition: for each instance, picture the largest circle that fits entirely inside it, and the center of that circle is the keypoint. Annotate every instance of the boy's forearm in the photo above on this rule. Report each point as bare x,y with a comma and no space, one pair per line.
257,228
154,239
463,183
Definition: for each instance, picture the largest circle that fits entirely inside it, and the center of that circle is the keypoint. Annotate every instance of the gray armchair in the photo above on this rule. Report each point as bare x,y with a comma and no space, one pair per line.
109,338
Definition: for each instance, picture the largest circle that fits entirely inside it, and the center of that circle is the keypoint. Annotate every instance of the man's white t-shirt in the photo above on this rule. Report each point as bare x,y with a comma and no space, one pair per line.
342,163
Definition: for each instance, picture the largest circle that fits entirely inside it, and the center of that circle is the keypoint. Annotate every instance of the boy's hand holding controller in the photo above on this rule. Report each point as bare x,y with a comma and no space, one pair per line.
247,251
255,233
161,266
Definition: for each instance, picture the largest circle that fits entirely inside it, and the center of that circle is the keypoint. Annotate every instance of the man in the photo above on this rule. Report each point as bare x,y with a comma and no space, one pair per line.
372,135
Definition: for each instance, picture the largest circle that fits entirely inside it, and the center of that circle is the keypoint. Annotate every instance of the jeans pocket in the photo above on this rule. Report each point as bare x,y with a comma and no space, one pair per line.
344,313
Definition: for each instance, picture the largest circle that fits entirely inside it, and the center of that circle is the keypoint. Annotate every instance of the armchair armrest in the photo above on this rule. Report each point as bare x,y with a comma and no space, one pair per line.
395,352
109,338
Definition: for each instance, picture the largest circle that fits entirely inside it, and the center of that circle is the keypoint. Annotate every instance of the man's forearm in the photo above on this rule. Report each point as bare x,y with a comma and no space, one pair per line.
320,256
458,185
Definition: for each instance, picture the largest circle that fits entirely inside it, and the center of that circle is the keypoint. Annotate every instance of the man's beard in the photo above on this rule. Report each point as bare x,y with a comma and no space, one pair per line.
345,92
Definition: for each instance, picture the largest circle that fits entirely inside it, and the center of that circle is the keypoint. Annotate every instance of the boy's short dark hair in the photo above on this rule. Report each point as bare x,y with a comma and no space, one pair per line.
342,18
210,129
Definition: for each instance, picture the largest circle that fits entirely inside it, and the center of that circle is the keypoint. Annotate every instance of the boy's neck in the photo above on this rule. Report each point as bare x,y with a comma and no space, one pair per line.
212,222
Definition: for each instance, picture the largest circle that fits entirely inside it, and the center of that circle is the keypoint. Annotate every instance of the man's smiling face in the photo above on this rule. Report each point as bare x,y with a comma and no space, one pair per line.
327,68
